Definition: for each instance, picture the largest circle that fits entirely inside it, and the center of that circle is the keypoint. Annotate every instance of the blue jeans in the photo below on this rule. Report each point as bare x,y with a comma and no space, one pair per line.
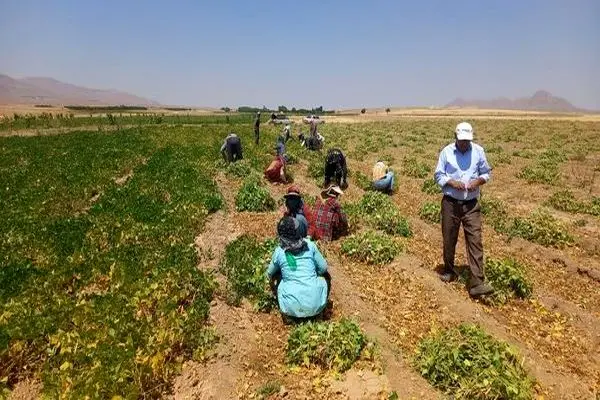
386,183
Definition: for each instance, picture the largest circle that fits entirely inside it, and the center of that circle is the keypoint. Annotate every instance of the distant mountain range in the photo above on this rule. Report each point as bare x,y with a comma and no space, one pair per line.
51,91
540,101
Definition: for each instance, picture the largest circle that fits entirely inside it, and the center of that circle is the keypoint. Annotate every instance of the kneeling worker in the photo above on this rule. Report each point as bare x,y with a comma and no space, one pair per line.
275,172
383,178
298,273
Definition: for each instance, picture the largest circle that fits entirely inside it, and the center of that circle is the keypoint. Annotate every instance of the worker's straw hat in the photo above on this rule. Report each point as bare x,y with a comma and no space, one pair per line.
332,191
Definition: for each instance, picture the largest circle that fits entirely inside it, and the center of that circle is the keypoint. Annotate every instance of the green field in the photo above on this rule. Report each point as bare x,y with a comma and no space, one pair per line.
100,290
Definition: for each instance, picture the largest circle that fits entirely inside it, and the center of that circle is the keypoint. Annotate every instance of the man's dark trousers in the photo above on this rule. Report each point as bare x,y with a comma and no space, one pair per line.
467,213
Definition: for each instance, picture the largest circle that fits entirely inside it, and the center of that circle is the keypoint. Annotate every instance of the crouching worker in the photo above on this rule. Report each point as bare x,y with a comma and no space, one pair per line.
314,143
330,221
335,168
275,172
232,148
298,274
383,178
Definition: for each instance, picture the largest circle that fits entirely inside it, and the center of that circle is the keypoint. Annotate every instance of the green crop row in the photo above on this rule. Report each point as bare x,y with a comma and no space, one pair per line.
244,265
371,247
100,291
564,200
467,363
539,227
48,120
379,211
330,345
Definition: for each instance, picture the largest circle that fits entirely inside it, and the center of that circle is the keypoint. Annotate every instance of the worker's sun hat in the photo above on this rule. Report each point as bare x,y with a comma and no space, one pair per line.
293,190
464,131
332,191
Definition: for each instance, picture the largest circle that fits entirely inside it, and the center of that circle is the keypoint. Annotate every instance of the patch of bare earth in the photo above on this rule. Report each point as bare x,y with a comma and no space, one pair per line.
27,390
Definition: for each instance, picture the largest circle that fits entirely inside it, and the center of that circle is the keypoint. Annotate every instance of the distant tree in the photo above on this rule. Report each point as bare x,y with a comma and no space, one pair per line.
387,110
282,109
226,109
293,109
364,110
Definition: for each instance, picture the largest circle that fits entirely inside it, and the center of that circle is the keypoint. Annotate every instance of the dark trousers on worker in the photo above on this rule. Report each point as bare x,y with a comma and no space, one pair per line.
234,149
468,214
256,135
337,174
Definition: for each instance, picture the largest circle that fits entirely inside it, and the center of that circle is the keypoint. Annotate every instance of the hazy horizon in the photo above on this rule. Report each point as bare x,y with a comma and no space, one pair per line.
335,54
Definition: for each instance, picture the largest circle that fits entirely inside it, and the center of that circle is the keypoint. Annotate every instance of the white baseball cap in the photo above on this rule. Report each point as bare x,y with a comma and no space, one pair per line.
464,131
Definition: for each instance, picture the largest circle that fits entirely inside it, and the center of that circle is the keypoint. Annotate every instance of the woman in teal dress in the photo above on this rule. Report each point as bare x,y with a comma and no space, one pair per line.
298,273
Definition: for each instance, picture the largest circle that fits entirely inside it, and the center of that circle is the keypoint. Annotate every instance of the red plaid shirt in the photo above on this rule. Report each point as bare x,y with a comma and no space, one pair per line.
329,221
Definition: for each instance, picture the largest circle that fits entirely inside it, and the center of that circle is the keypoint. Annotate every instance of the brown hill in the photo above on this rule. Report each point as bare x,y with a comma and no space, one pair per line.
540,101
51,91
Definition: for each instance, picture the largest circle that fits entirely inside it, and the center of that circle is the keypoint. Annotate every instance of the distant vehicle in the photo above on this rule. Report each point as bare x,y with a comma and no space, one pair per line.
279,119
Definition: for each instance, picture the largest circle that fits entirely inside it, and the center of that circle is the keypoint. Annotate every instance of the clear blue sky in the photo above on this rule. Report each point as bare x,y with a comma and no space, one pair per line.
309,53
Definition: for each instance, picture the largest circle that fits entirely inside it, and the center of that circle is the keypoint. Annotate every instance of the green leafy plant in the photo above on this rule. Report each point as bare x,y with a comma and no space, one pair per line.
467,363
252,196
244,264
538,173
415,168
240,169
499,158
508,279
541,227
431,212
594,207
391,222
373,202
330,345
430,186
363,181
564,200
526,153
494,211
292,158
545,169
316,166
379,211
371,247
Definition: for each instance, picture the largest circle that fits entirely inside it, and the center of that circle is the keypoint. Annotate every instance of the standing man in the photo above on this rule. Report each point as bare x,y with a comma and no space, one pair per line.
462,168
257,128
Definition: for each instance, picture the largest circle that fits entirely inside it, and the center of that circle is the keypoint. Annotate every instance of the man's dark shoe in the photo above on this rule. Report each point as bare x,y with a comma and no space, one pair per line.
448,276
481,290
